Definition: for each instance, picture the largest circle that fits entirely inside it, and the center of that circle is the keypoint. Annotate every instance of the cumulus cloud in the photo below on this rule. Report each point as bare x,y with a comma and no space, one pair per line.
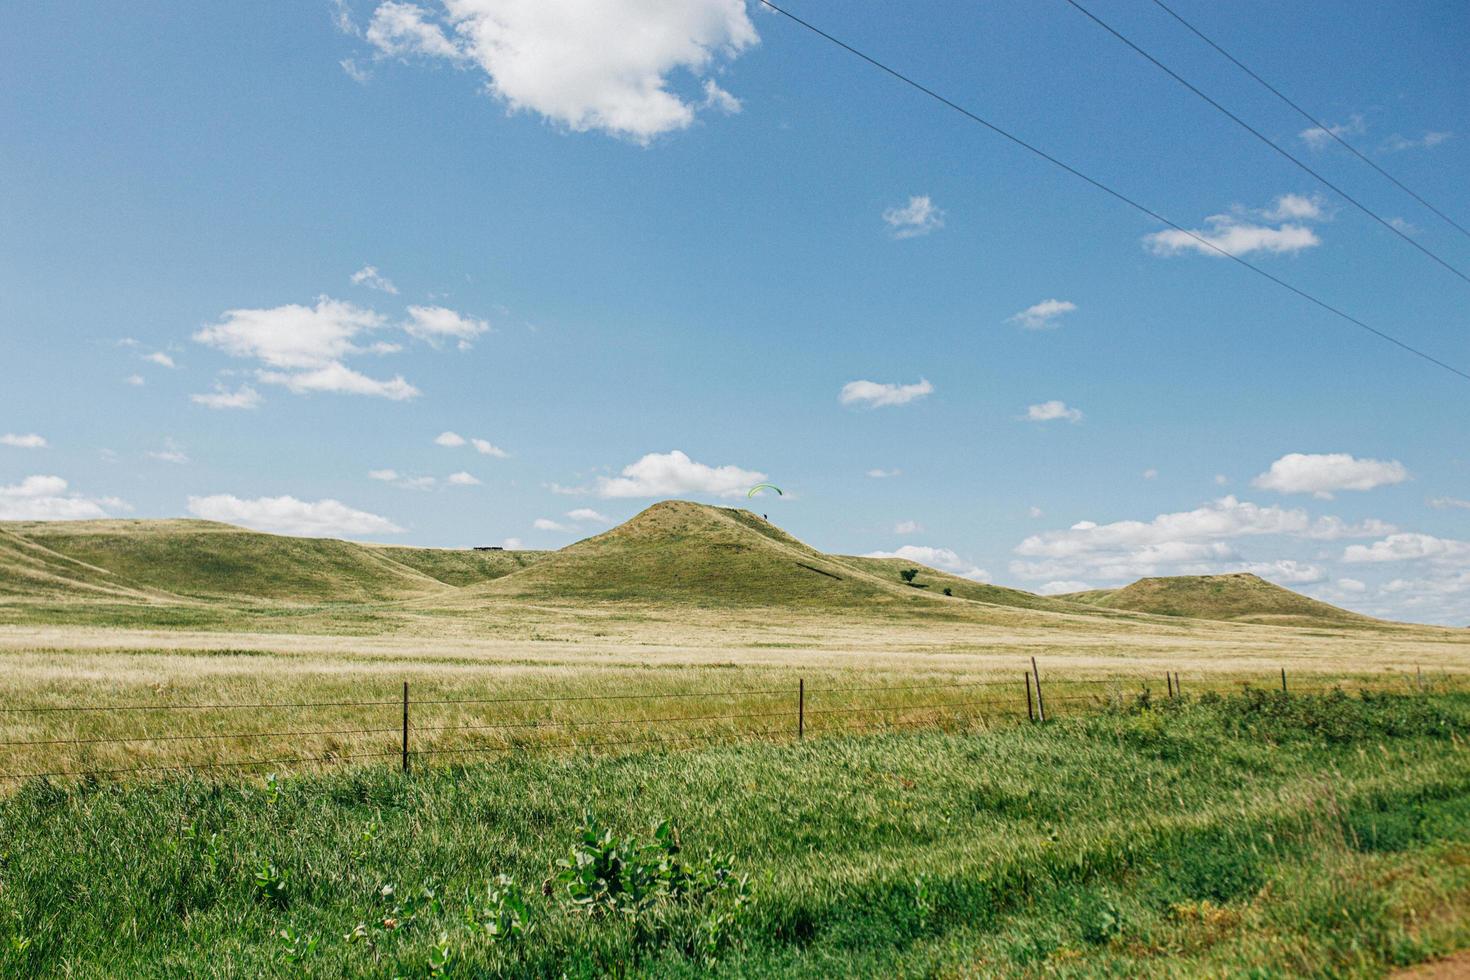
305,345
45,498
547,524
449,439
1051,411
671,473
1397,143
875,394
463,479
244,397
882,474
453,440
1409,547
486,448
1445,503
287,515
1285,571
1060,586
403,480
1317,137
918,217
160,358
29,440
437,323
370,277
136,380
586,64
340,379
1323,474
588,514
1240,232
1043,315
171,452
944,559
1150,474
1186,542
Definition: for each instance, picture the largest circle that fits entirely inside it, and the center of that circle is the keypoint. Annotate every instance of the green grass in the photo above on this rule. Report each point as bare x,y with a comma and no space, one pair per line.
1249,835
1238,597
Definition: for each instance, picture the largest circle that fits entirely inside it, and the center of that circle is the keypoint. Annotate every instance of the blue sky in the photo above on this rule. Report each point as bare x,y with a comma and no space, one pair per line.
255,263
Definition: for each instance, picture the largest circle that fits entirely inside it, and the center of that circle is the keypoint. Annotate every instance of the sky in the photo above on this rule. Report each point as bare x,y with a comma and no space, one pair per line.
508,271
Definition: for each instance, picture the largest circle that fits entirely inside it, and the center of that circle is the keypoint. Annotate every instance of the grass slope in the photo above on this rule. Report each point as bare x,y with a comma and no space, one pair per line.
935,581
209,560
1240,597
457,566
1183,839
682,552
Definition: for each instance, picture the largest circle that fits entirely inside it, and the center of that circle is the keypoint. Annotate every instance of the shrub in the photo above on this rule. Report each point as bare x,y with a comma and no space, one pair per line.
908,575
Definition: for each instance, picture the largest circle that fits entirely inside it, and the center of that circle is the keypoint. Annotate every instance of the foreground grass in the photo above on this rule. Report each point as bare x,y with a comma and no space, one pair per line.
1249,835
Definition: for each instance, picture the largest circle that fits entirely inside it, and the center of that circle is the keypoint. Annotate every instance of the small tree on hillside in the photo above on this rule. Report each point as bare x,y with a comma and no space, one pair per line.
908,575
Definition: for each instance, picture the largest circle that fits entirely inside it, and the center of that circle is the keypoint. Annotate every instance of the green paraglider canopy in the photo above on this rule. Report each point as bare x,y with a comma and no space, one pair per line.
764,486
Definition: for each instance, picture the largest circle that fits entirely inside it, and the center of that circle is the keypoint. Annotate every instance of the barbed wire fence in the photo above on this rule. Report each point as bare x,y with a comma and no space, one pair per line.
789,713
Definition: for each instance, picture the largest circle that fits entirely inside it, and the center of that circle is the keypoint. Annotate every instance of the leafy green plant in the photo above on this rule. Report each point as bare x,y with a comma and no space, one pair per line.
296,947
504,914
272,884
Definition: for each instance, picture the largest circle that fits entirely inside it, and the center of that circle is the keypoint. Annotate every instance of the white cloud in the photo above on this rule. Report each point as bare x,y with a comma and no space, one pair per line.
1322,474
1150,474
1240,233
1285,571
222,398
45,498
341,379
1187,542
1221,479
1059,586
876,394
907,527
1429,140
287,515
306,346
1043,315
403,480
586,64
511,544
449,439
1295,207
943,559
1445,503
370,277
882,474
1407,227
354,71
29,440
1034,511
588,514
1409,547
667,474
159,357
918,217
136,380
1317,138
486,448
717,98
436,323
1052,410
387,476
171,452
1351,585
463,479
547,524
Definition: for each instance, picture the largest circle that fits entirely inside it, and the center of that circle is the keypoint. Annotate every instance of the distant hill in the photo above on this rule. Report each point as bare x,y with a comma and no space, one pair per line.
161,559
1239,597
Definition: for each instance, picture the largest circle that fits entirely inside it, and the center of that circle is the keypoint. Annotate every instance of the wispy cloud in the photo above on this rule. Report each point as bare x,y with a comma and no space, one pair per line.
876,394
29,440
370,277
1241,232
918,217
288,515
1051,411
1043,315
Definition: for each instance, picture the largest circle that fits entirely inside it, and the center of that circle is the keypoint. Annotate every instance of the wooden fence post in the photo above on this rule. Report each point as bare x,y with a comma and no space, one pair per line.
1030,708
800,708
405,726
1283,680
1169,678
1040,701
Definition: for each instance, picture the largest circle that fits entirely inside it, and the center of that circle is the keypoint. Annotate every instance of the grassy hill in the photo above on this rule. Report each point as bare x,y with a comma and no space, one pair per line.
1240,597
161,559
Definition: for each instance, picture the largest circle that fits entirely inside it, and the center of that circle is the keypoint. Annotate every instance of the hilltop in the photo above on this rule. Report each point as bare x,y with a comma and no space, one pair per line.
1238,597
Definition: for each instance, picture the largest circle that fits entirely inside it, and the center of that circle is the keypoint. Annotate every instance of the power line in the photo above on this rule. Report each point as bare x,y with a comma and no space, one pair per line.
1310,118
1266,139
1117,195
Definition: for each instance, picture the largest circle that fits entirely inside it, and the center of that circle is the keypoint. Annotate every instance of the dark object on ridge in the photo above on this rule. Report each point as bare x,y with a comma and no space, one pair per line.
488,547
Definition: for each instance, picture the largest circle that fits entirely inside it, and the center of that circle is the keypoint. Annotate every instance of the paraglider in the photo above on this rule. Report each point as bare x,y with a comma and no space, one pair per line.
764,486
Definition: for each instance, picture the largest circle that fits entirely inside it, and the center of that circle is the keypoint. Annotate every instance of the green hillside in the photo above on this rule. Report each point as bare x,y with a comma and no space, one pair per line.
683,552
935,581
459,566
199,559
1240,597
